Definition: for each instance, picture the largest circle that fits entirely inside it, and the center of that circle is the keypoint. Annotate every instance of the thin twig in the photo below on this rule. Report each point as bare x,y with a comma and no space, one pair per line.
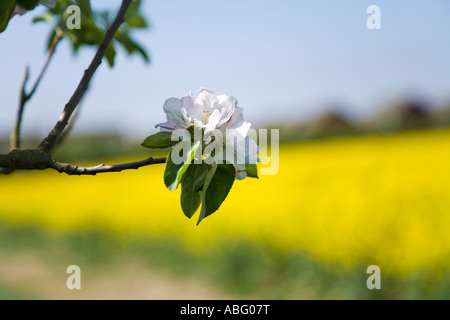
25,97
92,171
50,141
59,36
66,133
15,137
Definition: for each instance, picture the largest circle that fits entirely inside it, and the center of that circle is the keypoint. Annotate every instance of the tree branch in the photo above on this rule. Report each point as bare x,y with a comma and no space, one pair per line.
24,96
75,170
66,133
50,141
15,137
37,159
34,159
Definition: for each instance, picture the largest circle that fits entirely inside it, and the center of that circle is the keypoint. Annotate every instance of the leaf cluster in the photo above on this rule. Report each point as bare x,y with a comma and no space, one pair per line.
202,185
93,27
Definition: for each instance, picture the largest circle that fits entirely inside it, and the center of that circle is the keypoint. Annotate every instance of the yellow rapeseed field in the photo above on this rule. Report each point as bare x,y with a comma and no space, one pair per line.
381,200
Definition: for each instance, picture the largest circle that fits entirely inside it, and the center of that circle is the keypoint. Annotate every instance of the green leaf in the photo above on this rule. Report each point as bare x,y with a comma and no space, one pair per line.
133,9
138,48
252,170
159,140
191,186
137,21
130,45
218,183
174,172
133,18
6,10
95,22
85,7
110,54
49,3
28,4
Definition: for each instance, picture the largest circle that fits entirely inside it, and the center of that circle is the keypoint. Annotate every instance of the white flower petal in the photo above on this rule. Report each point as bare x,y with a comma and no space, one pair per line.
212,122
235,144
240,128
236,118
203,90
245,150
227,107
172,108
251,145
251,150
205,100
187,102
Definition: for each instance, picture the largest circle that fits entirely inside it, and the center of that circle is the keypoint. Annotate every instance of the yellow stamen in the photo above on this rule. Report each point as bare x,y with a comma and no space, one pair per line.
206,115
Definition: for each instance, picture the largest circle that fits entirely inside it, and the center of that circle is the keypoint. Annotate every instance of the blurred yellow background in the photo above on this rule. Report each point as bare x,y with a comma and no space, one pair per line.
340,204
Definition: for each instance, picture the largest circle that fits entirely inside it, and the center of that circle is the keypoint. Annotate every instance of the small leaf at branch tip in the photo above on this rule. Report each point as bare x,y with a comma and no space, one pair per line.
160,140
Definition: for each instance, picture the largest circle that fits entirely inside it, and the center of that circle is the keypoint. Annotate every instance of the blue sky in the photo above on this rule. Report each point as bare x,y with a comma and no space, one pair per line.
283,60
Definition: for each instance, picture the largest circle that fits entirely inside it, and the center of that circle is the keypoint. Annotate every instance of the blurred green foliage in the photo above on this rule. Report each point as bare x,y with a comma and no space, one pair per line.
93,24
241,269
93,28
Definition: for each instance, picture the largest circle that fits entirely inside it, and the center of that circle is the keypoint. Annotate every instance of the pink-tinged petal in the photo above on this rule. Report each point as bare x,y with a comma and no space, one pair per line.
19,10
166,126
187,102
236,119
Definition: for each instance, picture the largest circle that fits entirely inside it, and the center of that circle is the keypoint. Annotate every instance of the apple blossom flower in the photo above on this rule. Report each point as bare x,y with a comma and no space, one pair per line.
206,110
211,112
